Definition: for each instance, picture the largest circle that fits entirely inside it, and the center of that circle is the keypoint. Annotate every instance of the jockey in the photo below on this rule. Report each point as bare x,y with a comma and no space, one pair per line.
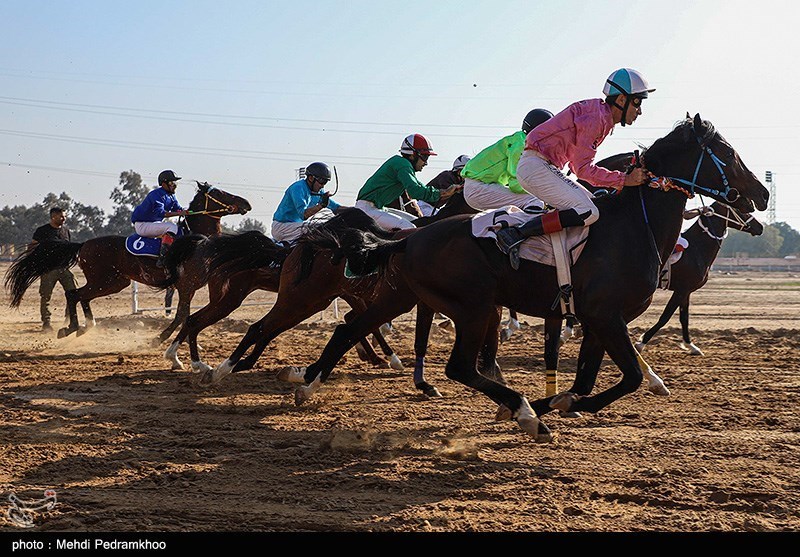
571,138
302,200
491,176
442,181
396,176
148,217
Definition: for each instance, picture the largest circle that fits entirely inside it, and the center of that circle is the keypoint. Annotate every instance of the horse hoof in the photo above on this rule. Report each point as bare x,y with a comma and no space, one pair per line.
177,365
446,325
639,347
428,390
543,434
385,329
201,367
569,414
531,424
395,363
563,401
659,390
81,331
503,414
63,332
292,374
692,349
301,395
506,334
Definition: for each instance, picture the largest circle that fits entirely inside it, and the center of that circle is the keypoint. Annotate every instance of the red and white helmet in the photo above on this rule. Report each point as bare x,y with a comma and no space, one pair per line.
416,143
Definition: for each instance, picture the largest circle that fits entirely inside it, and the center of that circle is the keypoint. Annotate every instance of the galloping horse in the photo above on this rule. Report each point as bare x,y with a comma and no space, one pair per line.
109,267
614,279
690,272
243,263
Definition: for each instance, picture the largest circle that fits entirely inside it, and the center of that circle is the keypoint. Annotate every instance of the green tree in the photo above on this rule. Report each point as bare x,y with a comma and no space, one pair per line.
791,239
126,196
741,243
251,224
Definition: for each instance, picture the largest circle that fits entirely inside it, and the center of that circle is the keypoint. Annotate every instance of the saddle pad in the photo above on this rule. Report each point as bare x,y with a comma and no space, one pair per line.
139,245
535,248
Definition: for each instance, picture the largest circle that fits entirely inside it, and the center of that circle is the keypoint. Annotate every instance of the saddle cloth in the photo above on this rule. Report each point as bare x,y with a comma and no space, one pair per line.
535,248
665,277
141,246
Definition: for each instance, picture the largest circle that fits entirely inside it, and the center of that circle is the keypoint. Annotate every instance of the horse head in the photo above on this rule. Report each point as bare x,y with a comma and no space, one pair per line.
214,201
735,219
697,159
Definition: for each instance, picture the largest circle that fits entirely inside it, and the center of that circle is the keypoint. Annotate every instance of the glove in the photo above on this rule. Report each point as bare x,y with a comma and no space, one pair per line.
324,199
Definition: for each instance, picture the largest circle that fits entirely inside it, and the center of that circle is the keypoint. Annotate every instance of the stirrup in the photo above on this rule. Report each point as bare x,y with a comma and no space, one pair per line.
513,256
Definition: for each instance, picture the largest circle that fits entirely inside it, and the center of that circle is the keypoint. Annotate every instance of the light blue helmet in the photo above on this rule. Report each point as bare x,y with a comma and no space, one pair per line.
628,82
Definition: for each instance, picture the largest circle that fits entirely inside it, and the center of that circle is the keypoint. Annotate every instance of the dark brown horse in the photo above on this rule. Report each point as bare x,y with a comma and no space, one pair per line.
690,272
109,267
243,263
614,279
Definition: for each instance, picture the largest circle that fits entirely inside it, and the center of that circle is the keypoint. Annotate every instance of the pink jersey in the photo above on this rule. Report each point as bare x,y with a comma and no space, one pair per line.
572,137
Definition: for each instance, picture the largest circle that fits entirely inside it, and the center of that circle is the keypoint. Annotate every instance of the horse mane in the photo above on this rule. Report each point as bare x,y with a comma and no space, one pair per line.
181,250
684,131
333,235
242,252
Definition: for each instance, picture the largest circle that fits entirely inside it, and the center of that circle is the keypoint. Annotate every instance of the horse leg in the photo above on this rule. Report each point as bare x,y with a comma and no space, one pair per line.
569,328
552,343
391,303
471,331
185,297
669,310
687,341
613,337
487,357
359,306
87,313
421,335
285,314
511,326
86,293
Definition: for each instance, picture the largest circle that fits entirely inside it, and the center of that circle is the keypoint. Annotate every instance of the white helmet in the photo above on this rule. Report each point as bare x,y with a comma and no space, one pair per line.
626,81
460,162
416,143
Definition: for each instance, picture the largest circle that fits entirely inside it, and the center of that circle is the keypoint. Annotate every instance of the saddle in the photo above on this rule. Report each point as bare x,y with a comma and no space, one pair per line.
560,250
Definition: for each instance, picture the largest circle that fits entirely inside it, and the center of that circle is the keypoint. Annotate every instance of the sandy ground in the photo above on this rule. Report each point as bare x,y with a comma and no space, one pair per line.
130,446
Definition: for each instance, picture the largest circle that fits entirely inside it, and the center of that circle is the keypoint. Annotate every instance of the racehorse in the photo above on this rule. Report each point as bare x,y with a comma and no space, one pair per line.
243,263
690,272
614,279
109,267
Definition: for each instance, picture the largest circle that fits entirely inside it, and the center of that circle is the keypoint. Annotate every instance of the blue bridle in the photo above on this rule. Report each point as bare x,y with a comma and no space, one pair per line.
693,185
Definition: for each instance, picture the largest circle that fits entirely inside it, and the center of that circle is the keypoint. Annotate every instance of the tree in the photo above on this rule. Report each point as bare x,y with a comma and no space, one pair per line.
791,239
251,224
766,245
130,192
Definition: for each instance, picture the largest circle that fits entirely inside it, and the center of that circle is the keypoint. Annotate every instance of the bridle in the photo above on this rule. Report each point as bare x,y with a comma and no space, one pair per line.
224,210
737,220
729,194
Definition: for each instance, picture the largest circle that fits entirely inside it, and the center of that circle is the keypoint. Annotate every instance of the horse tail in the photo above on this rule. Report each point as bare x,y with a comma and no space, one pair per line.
363,250
242,252
179,252
37,261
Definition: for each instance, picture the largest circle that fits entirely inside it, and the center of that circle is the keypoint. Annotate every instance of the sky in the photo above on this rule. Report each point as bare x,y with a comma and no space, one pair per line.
241,94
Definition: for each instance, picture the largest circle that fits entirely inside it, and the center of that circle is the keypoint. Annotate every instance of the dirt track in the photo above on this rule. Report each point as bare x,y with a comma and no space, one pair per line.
128,445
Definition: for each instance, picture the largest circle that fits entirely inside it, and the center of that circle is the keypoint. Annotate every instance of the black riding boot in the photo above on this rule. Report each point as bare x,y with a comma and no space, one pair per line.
166,242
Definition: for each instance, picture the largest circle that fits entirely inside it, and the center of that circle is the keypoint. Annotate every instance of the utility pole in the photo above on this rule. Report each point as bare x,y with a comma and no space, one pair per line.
301,172
771,205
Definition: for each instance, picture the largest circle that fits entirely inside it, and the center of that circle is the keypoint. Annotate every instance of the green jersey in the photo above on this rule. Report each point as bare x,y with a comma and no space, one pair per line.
393,178
497,164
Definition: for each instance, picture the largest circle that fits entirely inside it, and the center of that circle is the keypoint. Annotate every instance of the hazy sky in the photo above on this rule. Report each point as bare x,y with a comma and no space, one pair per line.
242,93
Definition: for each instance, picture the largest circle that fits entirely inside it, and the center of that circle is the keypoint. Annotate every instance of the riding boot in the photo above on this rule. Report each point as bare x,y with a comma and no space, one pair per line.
166,242
509,238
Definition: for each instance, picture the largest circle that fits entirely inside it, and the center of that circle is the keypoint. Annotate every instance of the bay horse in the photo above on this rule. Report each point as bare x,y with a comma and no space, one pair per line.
614,280
690,272
109,267
241,264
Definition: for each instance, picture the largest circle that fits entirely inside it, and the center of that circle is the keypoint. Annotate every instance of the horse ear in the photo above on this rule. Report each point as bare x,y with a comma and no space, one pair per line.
688,116
202,186
698,125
